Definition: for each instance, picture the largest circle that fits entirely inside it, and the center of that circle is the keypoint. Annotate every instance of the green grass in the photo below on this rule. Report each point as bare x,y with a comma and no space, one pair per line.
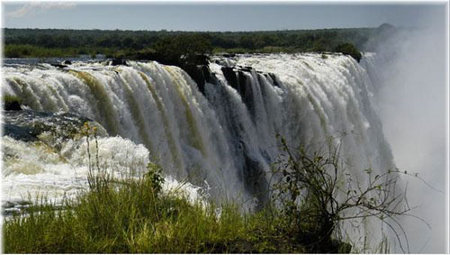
133,216
8,99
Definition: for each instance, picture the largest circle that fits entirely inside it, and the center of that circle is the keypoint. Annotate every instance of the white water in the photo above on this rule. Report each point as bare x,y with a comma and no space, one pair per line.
221,141
35,171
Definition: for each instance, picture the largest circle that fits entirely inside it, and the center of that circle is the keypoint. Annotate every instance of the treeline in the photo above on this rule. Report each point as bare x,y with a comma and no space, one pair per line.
119,43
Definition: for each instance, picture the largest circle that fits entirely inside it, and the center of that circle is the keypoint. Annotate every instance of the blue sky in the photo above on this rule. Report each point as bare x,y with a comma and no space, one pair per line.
219,16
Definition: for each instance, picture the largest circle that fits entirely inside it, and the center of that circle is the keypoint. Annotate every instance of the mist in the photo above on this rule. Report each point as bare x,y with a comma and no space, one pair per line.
410,93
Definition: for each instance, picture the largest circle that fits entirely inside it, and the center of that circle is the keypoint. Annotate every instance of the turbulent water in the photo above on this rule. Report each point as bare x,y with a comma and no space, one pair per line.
221,138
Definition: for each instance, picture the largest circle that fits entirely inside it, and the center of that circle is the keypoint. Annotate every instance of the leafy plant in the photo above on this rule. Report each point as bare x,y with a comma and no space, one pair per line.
11,102
349,49
182,49
315,197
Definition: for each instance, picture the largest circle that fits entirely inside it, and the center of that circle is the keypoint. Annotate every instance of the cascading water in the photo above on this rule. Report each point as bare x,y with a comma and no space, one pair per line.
223,137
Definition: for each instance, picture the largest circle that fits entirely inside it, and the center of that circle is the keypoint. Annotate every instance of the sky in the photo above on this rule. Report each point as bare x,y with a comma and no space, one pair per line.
214,16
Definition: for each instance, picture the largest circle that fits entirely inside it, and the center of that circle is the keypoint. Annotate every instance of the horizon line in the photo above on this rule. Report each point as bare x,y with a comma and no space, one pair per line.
202,31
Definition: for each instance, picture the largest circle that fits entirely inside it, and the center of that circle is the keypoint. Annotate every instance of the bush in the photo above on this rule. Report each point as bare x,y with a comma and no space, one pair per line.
132,216
310,196
183,49
11,103
136,216
349,49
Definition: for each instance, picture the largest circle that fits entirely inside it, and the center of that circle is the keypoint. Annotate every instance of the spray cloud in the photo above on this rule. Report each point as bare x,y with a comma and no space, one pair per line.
411,98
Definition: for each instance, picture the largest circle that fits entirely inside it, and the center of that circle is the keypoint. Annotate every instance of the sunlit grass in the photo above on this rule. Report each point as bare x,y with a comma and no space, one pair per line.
135,216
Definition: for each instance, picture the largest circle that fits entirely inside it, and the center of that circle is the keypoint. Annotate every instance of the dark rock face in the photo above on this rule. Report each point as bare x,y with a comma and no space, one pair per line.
210,77
196,66
237,78
274,79
246,68
59,65
66,62
200,74
255,181
12,106
246,92
230,76
229,55
117,62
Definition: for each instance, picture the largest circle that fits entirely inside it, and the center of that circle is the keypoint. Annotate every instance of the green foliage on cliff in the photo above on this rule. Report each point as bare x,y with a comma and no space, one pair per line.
349,49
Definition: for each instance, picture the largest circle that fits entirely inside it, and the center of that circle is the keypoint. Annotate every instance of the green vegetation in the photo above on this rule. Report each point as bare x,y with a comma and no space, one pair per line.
21,51
168,46
11,102
329,198
349,49
136,216
169,50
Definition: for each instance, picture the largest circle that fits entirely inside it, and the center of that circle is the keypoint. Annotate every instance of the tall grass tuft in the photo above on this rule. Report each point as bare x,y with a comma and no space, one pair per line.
134,216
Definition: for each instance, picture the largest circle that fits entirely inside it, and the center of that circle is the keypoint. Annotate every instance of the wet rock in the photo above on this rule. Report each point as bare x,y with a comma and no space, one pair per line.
254,176
12,106
229,55
230,76
200,74
27,125
117,62
246,68
59,65
274,79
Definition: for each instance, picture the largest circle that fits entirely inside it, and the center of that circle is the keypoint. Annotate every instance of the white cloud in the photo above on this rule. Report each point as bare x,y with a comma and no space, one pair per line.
38,7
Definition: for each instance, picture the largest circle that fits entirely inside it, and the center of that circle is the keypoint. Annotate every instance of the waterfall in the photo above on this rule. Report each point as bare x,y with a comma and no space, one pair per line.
226,136
223,137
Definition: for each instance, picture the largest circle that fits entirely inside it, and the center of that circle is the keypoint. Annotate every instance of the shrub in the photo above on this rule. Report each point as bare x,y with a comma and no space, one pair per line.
349,49
182,49
133,215
11,103
310,196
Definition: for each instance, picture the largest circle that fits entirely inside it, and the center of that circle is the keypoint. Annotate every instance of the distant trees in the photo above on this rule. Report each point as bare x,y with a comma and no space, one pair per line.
168,46
186,49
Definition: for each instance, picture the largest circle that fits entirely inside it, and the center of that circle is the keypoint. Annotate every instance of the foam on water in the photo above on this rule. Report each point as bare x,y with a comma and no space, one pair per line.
33,170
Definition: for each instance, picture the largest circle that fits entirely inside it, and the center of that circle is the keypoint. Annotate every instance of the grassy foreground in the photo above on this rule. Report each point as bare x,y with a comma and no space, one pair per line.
134,216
